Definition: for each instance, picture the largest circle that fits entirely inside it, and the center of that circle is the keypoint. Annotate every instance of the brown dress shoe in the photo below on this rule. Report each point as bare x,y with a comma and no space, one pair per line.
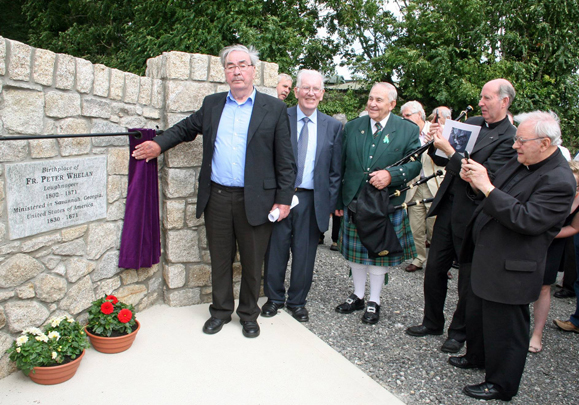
567,326
412,268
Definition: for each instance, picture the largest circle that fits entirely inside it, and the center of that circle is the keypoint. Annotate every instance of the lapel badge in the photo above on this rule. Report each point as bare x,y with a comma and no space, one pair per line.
387,139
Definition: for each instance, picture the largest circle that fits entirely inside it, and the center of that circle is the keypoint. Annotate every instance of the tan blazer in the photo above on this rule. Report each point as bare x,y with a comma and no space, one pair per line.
429,168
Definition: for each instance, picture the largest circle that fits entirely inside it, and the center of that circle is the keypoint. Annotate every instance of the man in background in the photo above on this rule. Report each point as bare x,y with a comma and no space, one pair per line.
420,224
284,85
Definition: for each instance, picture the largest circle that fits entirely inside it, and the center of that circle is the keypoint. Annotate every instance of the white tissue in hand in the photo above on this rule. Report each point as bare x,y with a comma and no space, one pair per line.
274,215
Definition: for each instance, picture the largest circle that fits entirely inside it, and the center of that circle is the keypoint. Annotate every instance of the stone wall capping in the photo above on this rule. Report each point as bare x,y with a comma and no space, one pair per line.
177,65
2,56
19,67
44,63
85,75
65,71
216,73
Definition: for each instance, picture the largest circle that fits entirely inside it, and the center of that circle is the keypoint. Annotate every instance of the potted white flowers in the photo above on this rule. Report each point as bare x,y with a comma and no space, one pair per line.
51,355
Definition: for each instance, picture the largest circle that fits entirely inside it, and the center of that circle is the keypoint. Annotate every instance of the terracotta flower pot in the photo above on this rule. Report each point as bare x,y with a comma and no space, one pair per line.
112,344
55,374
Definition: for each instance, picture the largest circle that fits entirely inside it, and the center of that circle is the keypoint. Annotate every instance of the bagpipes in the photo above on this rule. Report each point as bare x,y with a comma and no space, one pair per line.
423,180
410,204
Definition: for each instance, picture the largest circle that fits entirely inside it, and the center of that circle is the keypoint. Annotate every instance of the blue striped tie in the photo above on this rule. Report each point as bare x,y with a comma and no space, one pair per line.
302,151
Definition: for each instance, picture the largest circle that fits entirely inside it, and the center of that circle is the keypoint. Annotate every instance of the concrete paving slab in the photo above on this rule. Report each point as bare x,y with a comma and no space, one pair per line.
173,362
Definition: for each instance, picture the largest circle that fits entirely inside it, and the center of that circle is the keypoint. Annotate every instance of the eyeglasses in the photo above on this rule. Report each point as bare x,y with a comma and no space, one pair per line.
406,115
242,67
307,89
522,140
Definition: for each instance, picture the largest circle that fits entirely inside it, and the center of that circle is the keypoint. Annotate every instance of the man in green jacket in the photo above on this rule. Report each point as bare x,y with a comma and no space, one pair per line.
370,144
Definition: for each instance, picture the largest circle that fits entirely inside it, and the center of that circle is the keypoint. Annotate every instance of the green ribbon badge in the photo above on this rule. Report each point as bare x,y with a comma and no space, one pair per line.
386,139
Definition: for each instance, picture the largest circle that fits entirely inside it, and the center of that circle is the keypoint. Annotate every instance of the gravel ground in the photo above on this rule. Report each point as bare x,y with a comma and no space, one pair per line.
414,369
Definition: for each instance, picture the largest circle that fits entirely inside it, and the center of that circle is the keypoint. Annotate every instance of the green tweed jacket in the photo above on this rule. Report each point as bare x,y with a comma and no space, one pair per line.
398,139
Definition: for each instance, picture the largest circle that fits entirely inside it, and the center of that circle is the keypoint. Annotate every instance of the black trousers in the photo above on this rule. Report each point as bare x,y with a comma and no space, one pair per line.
569,265
227,228
444,248
498,339
298,233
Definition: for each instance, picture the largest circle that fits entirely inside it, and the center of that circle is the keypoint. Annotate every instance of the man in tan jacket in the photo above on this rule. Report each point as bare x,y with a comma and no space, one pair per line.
419,223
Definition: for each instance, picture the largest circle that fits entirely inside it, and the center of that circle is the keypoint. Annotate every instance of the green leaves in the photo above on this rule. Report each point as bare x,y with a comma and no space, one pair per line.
61,338
104,324
124,33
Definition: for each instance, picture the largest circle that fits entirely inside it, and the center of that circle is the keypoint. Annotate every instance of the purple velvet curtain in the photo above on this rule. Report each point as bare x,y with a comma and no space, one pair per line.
141,238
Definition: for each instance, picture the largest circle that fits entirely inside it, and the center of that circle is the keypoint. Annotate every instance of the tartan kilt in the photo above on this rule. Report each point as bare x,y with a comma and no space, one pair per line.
352,249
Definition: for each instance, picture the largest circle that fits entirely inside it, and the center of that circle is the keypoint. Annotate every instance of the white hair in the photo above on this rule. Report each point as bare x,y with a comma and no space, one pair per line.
309,72
284,76
392,93
414,107
546,124
251,51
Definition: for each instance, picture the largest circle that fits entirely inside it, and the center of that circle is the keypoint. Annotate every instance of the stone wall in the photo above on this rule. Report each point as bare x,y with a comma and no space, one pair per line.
64,270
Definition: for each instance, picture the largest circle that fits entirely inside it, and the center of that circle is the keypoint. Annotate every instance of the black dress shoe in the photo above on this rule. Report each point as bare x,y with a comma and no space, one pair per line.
353,303
564,293
300,314
214,325
452,346
485,391
270,308
250,329
372,313
462,362
421,330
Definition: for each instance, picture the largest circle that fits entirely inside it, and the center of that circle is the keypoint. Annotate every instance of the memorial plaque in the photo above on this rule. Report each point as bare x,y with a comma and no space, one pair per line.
55,194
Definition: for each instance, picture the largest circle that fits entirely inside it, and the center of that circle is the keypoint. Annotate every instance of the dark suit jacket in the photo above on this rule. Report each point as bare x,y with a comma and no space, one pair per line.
327,165
508,260
492,150
269,162
403,139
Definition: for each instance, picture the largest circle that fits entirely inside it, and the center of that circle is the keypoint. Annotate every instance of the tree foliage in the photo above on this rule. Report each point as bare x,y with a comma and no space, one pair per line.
125,33
441,52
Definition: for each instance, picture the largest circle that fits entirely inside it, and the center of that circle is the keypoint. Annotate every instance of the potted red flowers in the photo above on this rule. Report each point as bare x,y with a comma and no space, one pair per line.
111,326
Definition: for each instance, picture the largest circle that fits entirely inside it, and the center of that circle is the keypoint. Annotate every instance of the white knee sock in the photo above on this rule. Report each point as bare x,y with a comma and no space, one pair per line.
376,283
359,272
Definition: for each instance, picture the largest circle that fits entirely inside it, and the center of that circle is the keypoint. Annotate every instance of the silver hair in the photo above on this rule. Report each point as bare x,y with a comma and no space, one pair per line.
392,93
309,72
506,90
251,51
546,124
284,76
415,107
446,112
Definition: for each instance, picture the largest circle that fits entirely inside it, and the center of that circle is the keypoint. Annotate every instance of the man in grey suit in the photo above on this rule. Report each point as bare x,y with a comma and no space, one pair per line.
316,142
247,171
